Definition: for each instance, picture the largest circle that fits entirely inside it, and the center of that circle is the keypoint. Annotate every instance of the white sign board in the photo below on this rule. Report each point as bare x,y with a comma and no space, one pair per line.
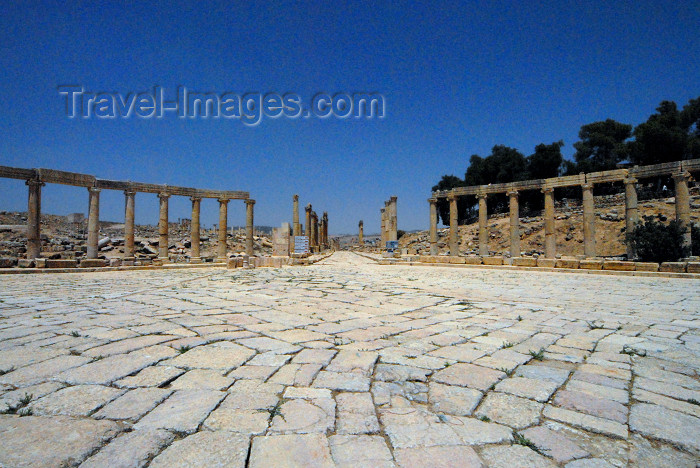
301,244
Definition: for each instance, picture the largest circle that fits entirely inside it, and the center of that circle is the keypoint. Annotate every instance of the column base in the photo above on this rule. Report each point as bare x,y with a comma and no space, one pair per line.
221,259
128,261
195,259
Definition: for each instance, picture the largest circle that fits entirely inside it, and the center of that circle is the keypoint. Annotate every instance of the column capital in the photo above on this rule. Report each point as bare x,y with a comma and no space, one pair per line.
224,201
547,189
629,180
481,195
382,210
452,196
196,199
94,189
361,223
432,200
393,199
295,197
587,186
308,207
129,192
34,183
250,202
163,195
679,176
512,193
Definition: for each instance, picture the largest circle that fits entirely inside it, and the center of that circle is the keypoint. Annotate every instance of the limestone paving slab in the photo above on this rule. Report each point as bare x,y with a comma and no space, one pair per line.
348,363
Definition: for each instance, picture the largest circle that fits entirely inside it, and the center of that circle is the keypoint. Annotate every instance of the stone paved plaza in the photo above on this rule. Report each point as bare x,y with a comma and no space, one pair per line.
351,364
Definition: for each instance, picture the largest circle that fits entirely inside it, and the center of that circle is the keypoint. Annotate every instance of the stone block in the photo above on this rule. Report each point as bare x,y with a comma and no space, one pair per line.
546,262
443,259
115,262
498,260
235,262
570,263
8,262
424,259
472,260
673,267
457,260
693,267
524,262
61,263
646,266
590,264
618,265
92,263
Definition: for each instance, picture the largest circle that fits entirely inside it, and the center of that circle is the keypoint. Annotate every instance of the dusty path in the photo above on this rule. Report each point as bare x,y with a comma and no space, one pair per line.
348,363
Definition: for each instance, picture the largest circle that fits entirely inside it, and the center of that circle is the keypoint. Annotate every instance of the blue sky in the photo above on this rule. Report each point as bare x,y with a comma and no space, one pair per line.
458,78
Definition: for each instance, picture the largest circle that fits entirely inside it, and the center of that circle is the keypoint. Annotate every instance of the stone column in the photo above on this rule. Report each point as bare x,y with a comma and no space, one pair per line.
129,209
34,219
514,224
296,228
550,238
221,253
589,249
454,226
393,221
308,223
93,222
249,227
324,231
361,233
382,234
433,226
631,211
163,228
683,205
483,225
314,229
195,256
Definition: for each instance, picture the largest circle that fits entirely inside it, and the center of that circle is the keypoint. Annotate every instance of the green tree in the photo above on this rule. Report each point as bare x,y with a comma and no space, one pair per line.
662,138
602,146
447,182
546,161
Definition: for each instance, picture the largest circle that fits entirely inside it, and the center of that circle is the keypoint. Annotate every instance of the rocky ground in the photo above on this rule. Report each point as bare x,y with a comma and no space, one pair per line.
351,364
64,239
610,224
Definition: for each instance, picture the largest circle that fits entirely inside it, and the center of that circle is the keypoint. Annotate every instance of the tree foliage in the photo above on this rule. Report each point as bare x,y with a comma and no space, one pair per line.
653,241
602,146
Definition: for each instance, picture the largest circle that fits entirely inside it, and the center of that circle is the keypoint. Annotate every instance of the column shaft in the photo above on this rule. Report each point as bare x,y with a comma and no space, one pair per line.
163,228
249,227
223,222
296,228
129,211
195,256
683,206
550,241
382,233
589,248
93,222
34,219
454,225
433,226
514,224
483,226
631,211
393,221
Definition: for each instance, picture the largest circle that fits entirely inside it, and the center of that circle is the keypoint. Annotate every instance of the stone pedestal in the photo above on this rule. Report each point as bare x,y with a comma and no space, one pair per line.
249,227
93,222
163,228
589,249
195,255
483,226
221,248
683,205
454,225
631,211
433,226
550,238
34,219
129,211
514,224
280,241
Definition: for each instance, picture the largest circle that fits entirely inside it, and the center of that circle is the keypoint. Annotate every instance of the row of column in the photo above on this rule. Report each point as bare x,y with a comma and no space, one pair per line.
34,225
389,222
316,230
589,242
